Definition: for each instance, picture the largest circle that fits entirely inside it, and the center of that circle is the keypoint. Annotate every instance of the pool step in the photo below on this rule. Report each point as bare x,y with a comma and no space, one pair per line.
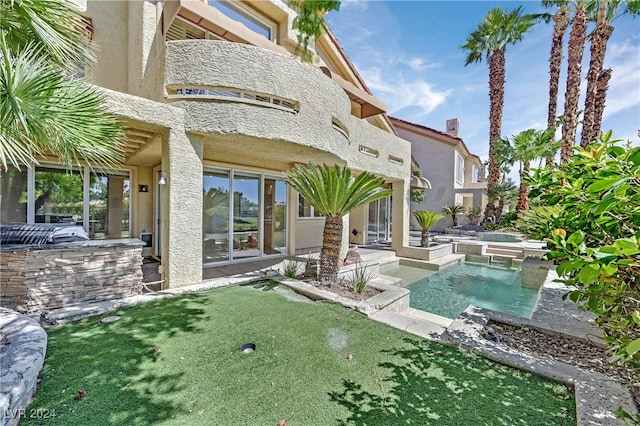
411,324
444,261
504,253
386,279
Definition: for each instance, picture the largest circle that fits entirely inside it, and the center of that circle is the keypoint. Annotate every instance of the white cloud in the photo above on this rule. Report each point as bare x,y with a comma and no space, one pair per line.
360,5
417,63
399,94
624,89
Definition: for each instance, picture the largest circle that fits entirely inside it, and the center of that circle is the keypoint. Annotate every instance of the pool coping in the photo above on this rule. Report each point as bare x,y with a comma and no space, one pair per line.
597,396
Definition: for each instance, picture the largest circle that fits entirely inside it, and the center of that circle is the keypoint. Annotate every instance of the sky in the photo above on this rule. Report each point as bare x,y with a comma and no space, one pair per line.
408,53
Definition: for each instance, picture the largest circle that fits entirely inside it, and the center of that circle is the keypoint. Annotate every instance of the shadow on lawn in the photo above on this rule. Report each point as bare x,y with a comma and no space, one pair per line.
119,365
438,384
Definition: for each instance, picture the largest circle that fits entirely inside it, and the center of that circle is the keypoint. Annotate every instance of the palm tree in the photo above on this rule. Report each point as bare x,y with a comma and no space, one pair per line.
497,30
561,22
527,146
597,77
577,40
43,109
334,192
453,210
426,219
505,192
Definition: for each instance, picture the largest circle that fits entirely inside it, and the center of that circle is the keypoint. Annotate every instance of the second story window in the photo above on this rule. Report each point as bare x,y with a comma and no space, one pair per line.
459,169
255,23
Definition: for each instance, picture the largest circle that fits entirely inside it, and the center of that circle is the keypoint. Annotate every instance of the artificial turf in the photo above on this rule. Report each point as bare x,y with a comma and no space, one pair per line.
177,362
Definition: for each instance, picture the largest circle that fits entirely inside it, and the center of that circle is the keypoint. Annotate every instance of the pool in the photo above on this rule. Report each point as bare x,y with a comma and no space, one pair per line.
449,292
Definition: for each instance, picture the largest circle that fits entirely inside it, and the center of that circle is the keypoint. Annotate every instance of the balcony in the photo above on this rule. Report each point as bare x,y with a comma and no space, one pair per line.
270,108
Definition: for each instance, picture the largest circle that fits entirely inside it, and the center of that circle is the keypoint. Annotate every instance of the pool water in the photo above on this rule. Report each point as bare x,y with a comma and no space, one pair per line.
450,291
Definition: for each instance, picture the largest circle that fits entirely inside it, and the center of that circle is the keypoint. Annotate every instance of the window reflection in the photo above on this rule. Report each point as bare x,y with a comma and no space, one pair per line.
13,195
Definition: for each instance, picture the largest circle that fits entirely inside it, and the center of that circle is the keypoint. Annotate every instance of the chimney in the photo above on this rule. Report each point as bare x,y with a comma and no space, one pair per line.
453,125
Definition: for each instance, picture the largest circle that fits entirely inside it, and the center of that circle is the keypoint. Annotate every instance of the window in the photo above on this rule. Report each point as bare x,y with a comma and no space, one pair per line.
49,193
306,210
474,174
248,18
459,169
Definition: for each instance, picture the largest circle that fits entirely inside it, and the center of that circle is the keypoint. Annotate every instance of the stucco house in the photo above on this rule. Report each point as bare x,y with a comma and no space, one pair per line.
455,174
217,106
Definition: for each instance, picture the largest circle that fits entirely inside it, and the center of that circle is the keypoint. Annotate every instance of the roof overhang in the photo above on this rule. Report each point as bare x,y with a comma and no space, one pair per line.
420,182
369,105
213,20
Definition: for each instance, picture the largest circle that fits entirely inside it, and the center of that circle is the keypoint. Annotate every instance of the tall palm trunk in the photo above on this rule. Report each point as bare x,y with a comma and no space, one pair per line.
599,41
577,40
601,97
496,97
561,21
330,252
523,199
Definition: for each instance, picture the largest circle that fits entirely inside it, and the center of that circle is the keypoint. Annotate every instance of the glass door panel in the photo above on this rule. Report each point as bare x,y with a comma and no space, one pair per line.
215,216
275,216
246,210
13,195
109,206
378,226
58,196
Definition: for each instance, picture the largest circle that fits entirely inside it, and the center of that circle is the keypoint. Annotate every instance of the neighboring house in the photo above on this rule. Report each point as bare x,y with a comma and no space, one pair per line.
456,175
217,107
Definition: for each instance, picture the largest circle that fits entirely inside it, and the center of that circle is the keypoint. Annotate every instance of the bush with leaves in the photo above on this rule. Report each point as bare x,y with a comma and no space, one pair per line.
595,236
474,214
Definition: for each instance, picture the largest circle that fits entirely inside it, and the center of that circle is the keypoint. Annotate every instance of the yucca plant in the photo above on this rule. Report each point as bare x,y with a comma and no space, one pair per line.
334,192
426,219
360,277
290,268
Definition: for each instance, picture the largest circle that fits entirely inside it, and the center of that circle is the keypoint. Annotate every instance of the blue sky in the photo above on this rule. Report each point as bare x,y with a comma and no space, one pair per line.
408,52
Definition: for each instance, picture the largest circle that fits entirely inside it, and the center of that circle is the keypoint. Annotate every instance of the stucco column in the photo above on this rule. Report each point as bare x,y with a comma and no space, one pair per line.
182,209
345,236
400,211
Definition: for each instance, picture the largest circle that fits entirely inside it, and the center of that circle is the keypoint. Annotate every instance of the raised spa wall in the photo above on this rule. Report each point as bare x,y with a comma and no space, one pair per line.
33,280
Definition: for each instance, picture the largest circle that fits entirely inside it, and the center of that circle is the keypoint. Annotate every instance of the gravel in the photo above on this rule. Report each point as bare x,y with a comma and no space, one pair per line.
588,355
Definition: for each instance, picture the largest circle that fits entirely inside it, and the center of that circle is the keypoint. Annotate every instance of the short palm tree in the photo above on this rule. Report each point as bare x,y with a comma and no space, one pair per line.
426,219
527,146
505,192
334,192
497,30
43,109
453,210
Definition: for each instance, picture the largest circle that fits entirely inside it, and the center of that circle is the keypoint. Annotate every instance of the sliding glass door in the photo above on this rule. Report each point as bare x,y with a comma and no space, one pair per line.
215,216
244,216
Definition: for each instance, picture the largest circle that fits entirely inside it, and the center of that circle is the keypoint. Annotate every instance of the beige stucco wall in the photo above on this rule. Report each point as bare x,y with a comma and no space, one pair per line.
207,63
133,59
110,34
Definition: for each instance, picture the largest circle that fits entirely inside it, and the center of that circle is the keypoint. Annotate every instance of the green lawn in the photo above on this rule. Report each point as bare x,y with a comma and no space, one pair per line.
177,362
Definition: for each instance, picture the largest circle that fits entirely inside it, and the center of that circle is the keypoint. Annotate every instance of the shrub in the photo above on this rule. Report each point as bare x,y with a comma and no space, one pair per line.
290,268
360,277
474,214
599,191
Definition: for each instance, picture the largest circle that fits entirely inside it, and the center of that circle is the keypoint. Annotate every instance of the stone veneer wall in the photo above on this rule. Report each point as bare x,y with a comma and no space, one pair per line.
35,280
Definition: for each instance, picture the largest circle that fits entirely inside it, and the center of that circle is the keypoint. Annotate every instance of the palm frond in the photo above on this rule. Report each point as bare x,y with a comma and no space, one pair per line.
54,26
334,191
42,110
